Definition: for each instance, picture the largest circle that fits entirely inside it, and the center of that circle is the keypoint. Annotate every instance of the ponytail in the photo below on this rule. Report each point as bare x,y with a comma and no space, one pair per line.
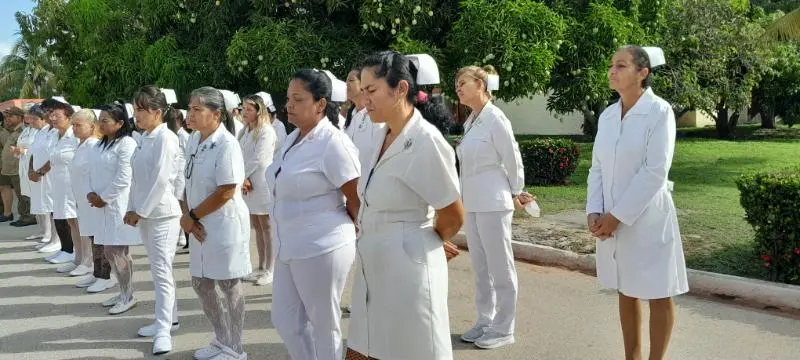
436,112
332,112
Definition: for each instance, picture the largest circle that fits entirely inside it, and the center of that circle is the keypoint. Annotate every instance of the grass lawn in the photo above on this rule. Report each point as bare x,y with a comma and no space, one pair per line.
715,235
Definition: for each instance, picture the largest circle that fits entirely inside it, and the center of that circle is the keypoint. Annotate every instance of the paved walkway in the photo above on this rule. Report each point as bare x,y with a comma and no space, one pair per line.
562,315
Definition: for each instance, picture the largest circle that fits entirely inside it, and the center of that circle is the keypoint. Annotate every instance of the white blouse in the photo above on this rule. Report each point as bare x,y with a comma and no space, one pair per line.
308,214
156,165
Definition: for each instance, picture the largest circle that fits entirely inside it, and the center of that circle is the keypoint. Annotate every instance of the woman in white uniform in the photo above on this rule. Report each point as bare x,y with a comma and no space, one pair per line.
218,222
109,188
178,118
34,121
358,126
313,181
41,184
399,302
280,128
629,205
154,208
492,180
65,213
258,146
85,129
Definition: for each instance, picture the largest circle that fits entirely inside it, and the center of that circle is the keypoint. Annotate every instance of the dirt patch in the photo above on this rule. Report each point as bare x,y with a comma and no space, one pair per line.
565,230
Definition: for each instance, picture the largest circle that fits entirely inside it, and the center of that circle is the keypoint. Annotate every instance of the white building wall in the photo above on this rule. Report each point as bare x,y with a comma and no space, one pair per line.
530,116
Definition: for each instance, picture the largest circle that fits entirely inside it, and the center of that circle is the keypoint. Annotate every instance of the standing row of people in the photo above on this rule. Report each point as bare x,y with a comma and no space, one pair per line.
381,196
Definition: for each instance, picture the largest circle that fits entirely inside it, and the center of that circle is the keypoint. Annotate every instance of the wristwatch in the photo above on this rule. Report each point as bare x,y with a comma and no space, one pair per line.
193,215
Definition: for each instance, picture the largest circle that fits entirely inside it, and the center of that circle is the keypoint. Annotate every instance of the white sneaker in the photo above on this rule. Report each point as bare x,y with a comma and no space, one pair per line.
50,248
122,306
34,237
81,270
492,340
253,276
210,351
474,334
53,256
150,330
111,301
44,240
66,268
101,285
265,279
86,281
162,345
228,354
64,257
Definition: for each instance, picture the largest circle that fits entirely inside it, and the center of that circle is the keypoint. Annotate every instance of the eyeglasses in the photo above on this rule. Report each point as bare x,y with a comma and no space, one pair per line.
190,164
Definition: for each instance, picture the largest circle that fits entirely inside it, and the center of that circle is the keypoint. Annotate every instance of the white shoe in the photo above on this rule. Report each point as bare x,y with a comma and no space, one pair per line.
35,237
253,276
492,340
228,354
111,301
86,281
182,241
474,334
101,285
81,270
150,330
66,268
210,351
265,279
122,306
162,345
63,258
53,256
50,248
44,240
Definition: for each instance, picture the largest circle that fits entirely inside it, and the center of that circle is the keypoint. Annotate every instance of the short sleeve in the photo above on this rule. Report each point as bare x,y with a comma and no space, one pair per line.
432,171
340,160
230,164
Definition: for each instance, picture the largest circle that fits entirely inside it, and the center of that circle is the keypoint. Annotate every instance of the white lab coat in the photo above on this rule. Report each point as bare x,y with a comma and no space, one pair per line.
363,132
280,133
79,172
41,191
237,126
490,162
110,178
60,160
215,162
631,159
180,181
155,166
402,266
308,214
25,141
258,151
136,136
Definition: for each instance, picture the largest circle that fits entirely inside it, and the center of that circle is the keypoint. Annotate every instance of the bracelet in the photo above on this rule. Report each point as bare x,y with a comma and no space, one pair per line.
193,216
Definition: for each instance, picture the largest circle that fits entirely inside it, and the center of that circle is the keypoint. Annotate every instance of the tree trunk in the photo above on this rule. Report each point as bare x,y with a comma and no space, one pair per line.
724,130
767,119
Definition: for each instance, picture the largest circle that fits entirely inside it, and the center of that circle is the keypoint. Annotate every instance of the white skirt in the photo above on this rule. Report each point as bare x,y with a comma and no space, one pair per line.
41,196
259,201
24,183
225,254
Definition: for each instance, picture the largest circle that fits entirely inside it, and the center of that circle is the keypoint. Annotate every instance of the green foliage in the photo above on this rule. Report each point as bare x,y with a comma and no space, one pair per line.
520,38
778,92
395,17
549,161
771,200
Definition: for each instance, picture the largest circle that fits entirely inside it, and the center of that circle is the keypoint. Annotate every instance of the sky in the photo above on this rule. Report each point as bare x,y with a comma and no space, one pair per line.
8,24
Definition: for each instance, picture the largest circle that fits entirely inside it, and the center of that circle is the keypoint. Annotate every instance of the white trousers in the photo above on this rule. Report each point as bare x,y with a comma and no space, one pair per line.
158,236
305,303
489,241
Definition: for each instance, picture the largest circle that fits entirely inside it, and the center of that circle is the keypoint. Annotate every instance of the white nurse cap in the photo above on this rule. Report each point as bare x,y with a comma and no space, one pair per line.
172,98
232,99
656,56
96,113
129,109
267,98
184,113
427,70
338,88
493,82
75,108
60,99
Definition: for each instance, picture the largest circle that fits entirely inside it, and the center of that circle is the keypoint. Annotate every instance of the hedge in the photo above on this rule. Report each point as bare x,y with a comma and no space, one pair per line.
547,161
771,201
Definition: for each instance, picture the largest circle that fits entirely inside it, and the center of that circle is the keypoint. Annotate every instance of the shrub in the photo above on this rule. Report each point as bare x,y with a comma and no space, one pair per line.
547,161
771,201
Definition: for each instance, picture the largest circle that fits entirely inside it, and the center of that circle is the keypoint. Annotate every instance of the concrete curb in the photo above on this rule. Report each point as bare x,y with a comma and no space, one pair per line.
753,292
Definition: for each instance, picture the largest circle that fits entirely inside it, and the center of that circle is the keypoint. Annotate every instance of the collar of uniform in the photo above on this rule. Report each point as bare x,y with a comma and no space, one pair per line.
215,135
67,133
404,141
477,119
155,131
313,134
642,106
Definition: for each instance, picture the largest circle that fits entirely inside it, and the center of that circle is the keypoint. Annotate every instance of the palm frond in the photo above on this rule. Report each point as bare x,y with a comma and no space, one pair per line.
785,28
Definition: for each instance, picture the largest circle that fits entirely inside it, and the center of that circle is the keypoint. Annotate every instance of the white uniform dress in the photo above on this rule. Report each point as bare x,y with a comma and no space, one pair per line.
180,181
280,133
491,172
402,267
60,160
110,178
631,159
363,132
314,239
25,141
41,191
212,163
79,179
258,153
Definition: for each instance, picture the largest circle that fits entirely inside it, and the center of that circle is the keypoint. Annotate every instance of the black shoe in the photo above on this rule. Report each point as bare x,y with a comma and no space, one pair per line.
24,222
6,218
